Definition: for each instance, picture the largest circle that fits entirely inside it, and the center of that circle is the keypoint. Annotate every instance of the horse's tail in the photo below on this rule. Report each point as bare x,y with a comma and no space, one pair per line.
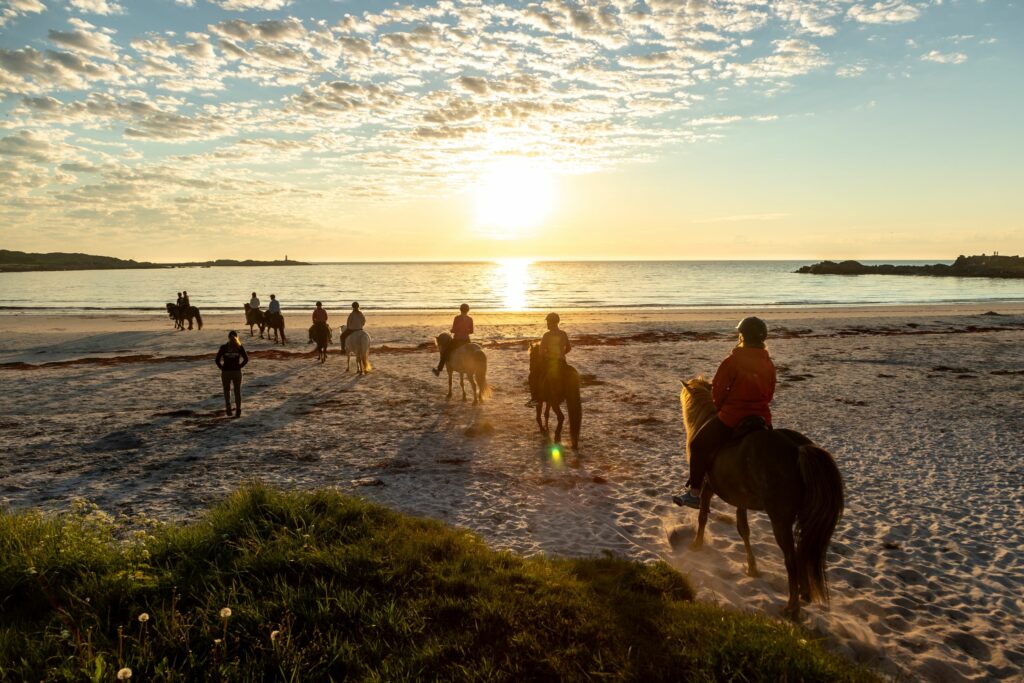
485,388
199,317
575,406
365,353
822,507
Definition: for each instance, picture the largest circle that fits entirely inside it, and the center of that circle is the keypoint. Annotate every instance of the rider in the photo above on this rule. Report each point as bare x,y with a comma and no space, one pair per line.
179,302
274,306
553,347
744,385
356,321
462,327
184,300
231,358
319,318
254,302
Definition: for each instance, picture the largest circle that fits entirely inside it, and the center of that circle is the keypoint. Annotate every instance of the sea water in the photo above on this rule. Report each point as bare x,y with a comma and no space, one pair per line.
504,285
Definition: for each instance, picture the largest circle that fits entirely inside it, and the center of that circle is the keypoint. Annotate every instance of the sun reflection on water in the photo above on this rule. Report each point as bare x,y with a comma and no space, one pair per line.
515,280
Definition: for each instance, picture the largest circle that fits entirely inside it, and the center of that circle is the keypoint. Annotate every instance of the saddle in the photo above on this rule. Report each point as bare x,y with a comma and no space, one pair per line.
746,427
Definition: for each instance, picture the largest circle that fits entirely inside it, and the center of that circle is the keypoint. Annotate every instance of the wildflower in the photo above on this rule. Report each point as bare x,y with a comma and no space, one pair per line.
144,617
274,635
124,674
225,613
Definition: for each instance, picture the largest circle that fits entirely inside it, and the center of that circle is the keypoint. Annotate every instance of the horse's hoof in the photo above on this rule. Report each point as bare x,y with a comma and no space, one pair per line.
791,613
696,545
752,573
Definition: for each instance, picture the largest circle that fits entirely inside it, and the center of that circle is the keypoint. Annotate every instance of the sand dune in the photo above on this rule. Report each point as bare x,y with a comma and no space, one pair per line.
921,408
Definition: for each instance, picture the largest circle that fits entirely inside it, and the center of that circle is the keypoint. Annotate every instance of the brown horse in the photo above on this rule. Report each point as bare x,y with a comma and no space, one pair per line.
552,392
179,314
321,334
275,322
253,317
782,473
468,359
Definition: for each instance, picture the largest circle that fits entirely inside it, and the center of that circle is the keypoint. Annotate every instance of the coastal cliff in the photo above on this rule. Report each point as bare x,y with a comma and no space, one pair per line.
964,266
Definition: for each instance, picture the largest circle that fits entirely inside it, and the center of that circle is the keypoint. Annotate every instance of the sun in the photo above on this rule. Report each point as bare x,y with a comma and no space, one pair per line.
513,196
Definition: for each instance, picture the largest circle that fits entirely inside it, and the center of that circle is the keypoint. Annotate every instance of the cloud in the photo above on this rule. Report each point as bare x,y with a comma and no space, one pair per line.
83,38
241,5
12,9
891,12
101,7
944,57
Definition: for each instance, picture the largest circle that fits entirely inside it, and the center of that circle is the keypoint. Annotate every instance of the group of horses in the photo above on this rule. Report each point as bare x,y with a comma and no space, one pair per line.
778,471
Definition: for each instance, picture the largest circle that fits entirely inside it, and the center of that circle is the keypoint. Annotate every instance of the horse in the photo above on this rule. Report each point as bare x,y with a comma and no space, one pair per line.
321,334
275,322
783,473
254,316
182,313
357,343
564,388
468,359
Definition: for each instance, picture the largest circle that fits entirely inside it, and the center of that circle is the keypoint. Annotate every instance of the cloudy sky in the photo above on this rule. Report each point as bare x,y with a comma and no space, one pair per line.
351,130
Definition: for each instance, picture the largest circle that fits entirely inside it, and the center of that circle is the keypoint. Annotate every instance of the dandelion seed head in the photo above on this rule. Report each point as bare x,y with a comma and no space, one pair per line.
124,674
144,617
225,613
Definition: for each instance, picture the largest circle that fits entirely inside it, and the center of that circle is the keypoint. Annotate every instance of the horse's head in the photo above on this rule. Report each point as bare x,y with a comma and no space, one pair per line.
695,398
534,353
442,341
172,309
247,307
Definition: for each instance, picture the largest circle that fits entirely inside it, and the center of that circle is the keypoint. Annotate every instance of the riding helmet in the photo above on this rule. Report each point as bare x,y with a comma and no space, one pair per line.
464,308
553,317
753,329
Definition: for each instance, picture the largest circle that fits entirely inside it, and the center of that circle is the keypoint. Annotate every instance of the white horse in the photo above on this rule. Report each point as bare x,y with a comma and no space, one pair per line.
468,359
357,343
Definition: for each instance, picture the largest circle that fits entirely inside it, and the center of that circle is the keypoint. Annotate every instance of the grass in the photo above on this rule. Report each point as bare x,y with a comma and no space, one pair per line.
325,587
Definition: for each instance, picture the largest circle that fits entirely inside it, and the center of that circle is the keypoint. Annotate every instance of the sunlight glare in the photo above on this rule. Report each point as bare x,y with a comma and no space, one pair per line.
515,274
513,196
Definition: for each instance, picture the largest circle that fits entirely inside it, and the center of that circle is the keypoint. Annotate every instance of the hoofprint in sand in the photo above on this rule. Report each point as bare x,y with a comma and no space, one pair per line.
922,409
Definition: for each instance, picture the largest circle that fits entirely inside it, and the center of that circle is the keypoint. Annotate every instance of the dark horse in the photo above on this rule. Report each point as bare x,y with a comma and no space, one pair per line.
781,472
552,392
321,334
254,316
275,322
179,314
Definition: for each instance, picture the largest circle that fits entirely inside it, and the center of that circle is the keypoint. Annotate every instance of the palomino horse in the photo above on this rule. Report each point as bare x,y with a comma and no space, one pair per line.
358,344
553,391
275,322
254,316
179,314
781,472
321,334
468,359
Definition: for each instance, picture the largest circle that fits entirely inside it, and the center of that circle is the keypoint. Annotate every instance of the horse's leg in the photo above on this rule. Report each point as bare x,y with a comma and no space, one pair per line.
784,537
348,361
540,423
472,386
702,517
449,382
462,384
561,419
744,528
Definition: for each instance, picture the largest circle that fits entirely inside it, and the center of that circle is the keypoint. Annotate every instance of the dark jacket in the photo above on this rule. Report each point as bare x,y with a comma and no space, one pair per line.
230,357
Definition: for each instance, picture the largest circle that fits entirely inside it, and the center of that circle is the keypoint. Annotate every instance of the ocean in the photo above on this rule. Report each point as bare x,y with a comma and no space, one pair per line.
506,285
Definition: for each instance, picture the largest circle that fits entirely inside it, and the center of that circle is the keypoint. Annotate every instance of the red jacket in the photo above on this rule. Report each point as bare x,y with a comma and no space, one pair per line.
744,385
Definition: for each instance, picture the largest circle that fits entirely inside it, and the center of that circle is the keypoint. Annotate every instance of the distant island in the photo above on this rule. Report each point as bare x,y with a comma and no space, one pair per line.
964,266
20,261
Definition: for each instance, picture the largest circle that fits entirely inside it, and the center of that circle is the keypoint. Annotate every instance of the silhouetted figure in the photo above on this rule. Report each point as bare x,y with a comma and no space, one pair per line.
319,319
231,358
744,385
184,300
356,322
553,347
254,302
462,327
274,306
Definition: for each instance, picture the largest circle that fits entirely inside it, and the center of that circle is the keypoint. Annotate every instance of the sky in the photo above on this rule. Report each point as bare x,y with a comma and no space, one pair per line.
344,130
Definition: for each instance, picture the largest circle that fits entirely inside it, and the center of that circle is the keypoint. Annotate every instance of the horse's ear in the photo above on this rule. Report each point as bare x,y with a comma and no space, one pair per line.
686,386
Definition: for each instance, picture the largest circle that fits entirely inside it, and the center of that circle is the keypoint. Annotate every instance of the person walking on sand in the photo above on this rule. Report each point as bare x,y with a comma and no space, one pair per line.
744,385
254,302
231,358
553,347
356,321
274,306
462,327
319,318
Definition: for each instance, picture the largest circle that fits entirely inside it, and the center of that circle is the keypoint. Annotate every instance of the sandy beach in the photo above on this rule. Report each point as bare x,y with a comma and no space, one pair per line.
920,406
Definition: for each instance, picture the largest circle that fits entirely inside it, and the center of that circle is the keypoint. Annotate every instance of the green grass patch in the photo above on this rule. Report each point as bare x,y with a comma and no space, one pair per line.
321,586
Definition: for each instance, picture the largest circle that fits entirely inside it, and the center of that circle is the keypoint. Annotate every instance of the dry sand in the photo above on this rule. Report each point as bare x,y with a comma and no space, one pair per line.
923,409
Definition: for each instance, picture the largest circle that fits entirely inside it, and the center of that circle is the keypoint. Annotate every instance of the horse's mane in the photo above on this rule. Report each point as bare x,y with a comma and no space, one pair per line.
698,402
